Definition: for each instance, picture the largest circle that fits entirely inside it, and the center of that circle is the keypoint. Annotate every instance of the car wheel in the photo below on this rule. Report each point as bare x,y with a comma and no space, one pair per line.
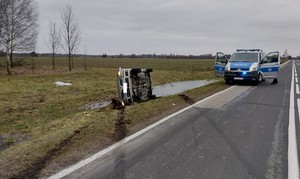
258,80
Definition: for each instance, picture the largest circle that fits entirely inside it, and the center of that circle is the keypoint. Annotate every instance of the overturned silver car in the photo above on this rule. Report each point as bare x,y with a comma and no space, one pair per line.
134,85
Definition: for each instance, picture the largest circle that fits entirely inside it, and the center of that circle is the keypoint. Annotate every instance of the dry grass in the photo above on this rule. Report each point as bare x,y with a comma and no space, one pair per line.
56,130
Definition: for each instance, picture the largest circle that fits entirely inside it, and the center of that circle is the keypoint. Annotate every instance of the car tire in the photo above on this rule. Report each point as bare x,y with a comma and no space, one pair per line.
258,80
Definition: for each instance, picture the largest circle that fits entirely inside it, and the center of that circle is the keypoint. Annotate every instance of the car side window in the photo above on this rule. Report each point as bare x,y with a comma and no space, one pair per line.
271,58
221,58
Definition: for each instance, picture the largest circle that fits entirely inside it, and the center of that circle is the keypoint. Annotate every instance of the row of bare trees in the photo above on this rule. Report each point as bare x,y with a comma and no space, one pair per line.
70,34
19,30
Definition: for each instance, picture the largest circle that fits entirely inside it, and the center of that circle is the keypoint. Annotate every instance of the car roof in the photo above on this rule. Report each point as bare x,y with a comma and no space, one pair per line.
249,50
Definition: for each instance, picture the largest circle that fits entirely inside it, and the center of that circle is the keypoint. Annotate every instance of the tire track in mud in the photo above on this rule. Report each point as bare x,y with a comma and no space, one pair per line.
33,171
121,123
120,132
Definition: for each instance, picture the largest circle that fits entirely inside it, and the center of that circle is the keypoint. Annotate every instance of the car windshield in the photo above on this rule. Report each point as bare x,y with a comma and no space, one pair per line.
244,57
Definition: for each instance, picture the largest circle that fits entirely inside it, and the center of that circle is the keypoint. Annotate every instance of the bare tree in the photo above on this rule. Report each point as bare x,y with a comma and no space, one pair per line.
54,41
71,33
19,27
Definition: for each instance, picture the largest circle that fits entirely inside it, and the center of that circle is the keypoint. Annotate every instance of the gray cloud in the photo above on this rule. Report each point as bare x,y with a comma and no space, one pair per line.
177,26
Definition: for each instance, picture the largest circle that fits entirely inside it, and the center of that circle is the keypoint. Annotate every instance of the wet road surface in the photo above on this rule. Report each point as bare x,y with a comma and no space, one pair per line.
242,132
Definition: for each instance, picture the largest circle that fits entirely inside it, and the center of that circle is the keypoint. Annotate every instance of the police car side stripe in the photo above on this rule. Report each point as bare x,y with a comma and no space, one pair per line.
269,69
219,68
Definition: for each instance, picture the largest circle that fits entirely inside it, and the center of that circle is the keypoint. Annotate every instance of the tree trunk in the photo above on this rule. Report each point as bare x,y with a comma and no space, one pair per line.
72,62
11,59
70,67
53,63
8,63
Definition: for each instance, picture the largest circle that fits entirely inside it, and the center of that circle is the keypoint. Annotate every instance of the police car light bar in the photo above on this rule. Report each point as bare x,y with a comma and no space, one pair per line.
249,50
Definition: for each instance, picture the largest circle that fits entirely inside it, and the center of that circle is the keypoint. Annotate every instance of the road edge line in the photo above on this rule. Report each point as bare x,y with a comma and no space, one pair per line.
293,165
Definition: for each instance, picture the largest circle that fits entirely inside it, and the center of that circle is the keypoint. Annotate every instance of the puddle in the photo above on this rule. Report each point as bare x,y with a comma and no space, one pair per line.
96,105
159,91
178,87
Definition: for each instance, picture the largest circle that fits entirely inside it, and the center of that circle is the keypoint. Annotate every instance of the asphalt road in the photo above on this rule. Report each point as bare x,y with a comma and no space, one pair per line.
242,132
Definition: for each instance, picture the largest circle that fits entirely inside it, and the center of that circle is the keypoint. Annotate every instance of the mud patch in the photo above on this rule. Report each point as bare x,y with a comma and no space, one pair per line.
116,104
97,105
120,126
121,123
187,99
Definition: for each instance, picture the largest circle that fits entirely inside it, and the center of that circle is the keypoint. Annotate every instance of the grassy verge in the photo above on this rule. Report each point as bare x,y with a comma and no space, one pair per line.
46,126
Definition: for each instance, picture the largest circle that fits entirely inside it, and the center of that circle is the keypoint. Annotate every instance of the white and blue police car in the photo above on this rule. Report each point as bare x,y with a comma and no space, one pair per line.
247,65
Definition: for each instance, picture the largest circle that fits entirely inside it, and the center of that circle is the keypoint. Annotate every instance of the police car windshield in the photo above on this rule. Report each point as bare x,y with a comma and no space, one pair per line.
244,57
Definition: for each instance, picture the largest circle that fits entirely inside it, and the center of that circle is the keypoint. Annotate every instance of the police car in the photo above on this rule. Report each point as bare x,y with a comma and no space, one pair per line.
247,65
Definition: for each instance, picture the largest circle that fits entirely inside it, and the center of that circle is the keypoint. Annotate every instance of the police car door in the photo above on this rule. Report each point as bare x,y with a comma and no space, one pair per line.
220,63
270,65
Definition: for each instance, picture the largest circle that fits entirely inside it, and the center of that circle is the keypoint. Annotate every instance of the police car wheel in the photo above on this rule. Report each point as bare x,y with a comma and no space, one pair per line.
260,79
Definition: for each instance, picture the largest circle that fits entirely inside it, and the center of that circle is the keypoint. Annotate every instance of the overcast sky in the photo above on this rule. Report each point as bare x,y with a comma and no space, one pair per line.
178,26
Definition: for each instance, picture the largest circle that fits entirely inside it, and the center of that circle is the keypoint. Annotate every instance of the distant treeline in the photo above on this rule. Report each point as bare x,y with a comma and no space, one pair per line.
162,56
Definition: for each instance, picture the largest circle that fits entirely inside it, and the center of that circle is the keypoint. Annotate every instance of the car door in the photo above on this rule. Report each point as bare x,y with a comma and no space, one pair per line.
270,65
220,63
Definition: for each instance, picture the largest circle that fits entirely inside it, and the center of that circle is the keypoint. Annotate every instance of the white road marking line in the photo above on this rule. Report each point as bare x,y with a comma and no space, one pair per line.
101,153
298,104
297,89
296,79
293,165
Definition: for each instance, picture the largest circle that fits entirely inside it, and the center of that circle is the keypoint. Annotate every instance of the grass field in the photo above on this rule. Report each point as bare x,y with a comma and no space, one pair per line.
42,126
